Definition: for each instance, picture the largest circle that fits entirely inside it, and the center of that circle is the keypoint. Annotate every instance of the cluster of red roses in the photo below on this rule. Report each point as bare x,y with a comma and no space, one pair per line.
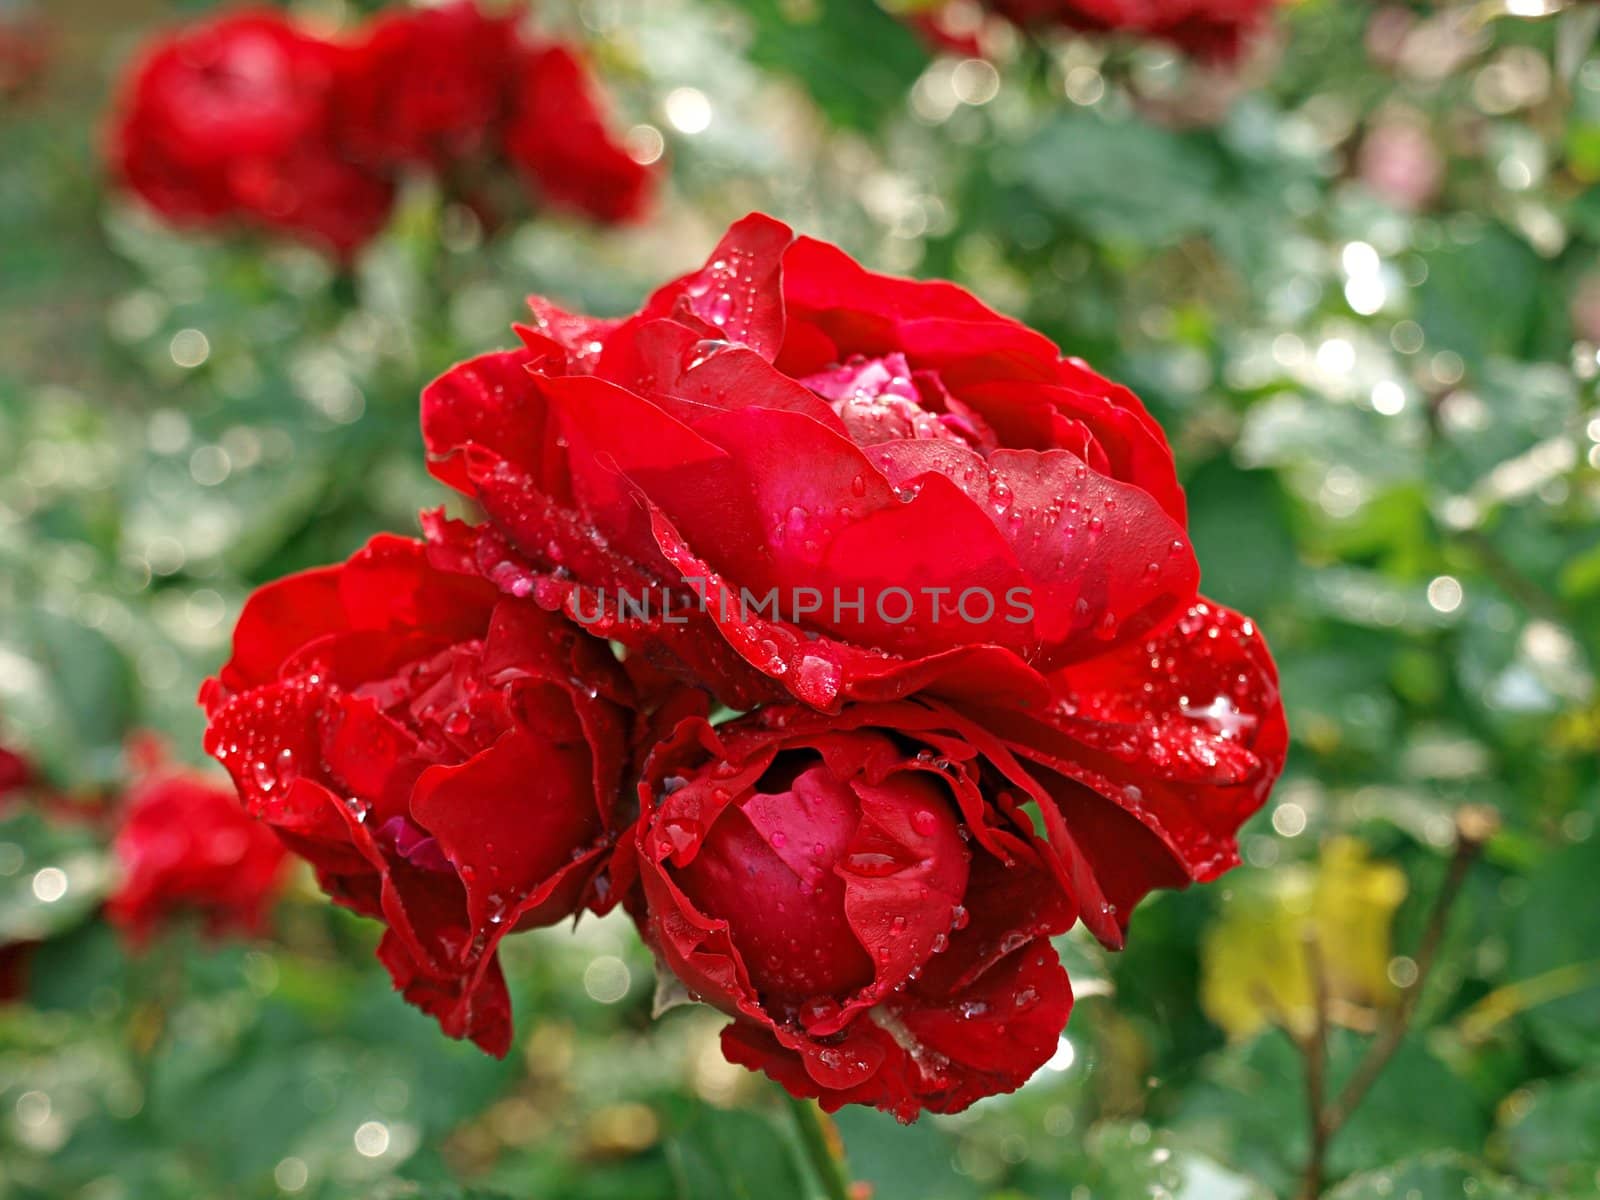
1210,28
493,728
250,118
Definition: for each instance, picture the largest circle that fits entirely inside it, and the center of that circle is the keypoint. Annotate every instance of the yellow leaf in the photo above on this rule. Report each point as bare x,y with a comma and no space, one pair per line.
1256,961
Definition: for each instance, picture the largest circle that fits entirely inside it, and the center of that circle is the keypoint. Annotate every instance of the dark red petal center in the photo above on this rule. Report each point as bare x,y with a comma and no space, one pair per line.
767,868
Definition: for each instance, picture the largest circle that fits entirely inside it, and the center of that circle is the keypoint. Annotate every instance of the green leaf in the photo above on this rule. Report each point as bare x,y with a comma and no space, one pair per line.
723,1155
400,1190
901,1162
1482,298
52,877
1547,938
1117,181
1129,1162
1551,1135
857,60
1444,1176
93,689
1240,535
1249,1108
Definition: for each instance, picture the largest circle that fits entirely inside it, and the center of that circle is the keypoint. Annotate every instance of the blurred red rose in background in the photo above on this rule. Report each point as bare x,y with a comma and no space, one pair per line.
185,847
233,118
247,117
447,760
1211,28
15,774
27,45
558,139
427,86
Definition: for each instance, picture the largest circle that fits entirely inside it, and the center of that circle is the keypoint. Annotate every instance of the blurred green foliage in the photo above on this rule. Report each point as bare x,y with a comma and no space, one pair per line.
1359,285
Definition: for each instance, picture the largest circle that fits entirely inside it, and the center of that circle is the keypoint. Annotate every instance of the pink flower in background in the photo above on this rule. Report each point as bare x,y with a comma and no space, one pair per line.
1399,161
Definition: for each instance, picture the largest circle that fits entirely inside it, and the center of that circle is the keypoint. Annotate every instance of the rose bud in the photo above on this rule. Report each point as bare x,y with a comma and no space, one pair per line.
846,891
827,484
560,141
445,758
427,86
183,845
231,118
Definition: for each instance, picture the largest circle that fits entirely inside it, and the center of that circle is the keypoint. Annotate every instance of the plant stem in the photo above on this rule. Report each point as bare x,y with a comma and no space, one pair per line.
1500,1005
1392,1032
1316,1052
823,1149
1474,827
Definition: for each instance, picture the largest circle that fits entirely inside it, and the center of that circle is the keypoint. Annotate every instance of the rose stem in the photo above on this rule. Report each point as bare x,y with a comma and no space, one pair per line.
1315,1050
822,1146
1475,825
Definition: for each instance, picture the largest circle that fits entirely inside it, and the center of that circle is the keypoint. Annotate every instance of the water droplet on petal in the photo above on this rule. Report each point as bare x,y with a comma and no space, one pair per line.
871,864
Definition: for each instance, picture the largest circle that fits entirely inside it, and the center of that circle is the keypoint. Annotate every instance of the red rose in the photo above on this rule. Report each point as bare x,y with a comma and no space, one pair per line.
184,846
232,117
446,758
559,140
429,86
796,870
1214,28
784,423
876,918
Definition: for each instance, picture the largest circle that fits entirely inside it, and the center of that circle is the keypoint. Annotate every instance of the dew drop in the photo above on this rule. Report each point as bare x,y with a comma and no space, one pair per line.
871,864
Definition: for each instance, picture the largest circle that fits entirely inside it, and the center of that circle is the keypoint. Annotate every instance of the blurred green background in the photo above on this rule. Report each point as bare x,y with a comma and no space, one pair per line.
1357,280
